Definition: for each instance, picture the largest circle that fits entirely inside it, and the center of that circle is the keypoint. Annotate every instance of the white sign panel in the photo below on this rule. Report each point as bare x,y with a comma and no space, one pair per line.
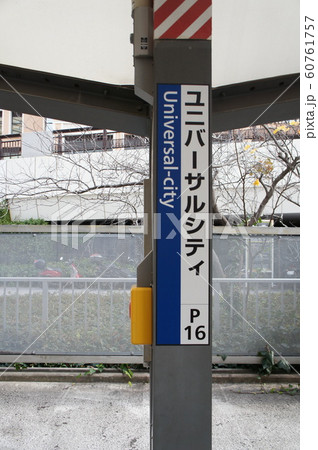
183,203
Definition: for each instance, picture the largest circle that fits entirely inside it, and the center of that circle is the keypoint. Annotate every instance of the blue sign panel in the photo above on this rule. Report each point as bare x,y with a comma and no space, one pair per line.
182,219
168,212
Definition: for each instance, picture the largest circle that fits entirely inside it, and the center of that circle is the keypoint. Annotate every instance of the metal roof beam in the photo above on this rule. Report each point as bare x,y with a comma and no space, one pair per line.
118,108
256,102
73,100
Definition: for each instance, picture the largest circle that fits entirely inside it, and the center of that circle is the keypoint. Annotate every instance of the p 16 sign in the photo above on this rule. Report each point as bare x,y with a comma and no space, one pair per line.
182,215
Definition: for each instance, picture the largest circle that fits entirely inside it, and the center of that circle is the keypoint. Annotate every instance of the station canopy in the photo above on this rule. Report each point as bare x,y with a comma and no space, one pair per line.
81,46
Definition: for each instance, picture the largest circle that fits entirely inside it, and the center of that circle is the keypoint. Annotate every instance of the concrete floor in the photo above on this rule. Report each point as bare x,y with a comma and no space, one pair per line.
245,418
115,416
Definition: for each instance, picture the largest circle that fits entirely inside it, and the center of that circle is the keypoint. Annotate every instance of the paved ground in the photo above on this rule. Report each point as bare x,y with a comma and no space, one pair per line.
245,418
115,416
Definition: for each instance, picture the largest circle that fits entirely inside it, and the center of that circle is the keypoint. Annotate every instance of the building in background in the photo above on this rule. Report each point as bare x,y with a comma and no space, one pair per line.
34,149
60,171
24,135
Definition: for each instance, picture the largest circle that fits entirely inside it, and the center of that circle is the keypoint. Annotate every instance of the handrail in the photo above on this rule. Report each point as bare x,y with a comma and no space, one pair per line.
87,143
138,229
9,148
134,279
56,229
256,280
68,279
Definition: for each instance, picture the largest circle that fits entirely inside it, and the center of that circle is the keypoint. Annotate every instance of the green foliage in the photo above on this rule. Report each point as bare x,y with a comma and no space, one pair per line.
99,368
268,364
20,366
126,371
5,218
19,250
289,390
29,222
274,314
18,270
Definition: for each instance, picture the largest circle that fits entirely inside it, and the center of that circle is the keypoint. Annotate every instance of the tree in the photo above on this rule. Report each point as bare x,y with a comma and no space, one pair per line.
254,170
81,172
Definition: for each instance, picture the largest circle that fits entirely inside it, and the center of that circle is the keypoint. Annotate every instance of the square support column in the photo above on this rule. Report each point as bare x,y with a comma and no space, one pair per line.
182,352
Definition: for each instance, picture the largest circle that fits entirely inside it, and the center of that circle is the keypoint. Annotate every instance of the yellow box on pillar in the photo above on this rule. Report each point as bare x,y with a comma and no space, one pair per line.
141,315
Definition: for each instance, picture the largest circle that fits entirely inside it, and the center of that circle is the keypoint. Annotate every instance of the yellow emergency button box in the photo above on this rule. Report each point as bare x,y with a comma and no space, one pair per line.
141,315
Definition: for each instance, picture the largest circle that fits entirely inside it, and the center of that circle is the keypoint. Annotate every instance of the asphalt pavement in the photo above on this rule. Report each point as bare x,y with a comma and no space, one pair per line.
115,416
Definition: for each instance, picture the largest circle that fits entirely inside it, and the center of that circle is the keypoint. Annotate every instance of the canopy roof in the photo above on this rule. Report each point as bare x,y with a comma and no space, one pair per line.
57,51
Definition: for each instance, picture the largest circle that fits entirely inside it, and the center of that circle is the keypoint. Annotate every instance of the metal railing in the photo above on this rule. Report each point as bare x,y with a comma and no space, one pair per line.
98,142
76,287
250,313
256,133
85,316
10,149
90,317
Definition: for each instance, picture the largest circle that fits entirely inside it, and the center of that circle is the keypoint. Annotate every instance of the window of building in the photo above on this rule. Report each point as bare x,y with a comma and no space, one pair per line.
1,116
16,123
49,124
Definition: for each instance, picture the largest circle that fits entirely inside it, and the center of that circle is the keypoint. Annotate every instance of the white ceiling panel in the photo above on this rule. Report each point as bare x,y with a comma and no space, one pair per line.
251,39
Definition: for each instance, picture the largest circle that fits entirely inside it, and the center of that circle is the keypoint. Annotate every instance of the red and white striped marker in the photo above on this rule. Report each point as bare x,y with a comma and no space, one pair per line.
182,19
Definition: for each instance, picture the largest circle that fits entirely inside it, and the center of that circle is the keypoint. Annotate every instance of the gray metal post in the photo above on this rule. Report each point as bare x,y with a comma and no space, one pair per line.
45,303
173,73
180,374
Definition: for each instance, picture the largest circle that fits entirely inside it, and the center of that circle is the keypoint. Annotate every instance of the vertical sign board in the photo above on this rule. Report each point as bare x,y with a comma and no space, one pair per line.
181,406
182,215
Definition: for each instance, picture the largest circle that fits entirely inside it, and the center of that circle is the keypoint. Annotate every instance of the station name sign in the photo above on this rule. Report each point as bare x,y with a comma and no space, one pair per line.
182,215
